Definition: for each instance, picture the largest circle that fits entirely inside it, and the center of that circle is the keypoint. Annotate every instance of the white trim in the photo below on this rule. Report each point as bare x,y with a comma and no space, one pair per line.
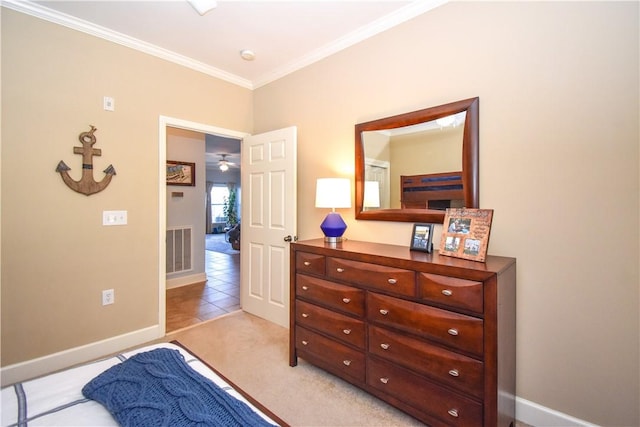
384,164
63,359
163,123
537,415
87,27
199,127
186,280
404,14
162,223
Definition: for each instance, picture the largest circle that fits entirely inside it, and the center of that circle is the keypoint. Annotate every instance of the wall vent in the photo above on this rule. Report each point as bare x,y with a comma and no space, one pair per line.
179,249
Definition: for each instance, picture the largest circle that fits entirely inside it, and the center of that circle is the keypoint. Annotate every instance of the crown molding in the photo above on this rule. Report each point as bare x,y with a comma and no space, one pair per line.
404,14
86,27
401,15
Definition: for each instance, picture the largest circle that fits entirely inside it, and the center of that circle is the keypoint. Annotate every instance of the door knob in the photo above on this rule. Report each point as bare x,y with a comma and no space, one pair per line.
290,239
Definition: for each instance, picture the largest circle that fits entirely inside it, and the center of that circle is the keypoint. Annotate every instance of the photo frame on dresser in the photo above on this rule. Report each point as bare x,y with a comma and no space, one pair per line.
465,233
421,238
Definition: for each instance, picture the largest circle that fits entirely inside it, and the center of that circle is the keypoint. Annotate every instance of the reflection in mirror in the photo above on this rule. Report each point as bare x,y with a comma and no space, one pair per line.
433,147
413,166
371,194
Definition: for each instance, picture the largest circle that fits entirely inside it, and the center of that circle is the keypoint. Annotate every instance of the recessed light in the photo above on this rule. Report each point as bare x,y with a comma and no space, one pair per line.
203,6
247,54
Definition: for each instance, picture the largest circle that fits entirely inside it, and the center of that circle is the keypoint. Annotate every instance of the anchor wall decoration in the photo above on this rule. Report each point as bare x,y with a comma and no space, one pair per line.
87,185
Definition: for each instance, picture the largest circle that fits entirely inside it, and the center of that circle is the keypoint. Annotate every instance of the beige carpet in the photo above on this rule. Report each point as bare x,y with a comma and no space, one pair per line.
254,354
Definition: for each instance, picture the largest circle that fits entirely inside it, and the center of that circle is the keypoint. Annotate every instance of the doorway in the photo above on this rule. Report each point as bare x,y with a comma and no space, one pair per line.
219,292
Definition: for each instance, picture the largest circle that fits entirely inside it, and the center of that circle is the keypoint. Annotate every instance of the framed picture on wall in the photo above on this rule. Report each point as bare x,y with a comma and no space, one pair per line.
465,233
421,238
181,173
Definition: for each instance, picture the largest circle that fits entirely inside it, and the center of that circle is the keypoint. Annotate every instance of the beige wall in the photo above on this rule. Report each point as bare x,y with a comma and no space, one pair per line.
437,151
57,257
187,210
558,88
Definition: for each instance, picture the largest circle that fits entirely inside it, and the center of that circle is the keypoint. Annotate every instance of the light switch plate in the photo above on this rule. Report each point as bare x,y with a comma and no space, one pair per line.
109,103
114,218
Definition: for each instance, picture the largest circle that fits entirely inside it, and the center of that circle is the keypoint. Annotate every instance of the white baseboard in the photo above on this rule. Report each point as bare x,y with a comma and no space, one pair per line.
186,280
540,416
43,365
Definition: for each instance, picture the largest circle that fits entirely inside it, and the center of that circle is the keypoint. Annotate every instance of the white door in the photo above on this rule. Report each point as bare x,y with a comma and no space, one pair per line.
268,219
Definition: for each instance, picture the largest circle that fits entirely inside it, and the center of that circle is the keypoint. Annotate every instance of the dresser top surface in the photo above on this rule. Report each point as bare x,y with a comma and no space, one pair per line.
349,248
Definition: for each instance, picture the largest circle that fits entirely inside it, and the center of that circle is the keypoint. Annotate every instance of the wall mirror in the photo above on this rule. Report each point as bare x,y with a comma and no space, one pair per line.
413,166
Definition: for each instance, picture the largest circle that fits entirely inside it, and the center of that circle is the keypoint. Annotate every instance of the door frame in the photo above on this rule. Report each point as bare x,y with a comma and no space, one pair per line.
163,123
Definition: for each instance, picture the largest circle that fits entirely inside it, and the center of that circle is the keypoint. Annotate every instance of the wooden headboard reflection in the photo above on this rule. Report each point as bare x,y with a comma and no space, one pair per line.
433,191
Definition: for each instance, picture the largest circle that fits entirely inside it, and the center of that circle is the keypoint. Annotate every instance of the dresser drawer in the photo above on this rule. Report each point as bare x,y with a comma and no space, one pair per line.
334,295
448,406
310,263
462,372
343,328
375,276
453,329
451,291
335,356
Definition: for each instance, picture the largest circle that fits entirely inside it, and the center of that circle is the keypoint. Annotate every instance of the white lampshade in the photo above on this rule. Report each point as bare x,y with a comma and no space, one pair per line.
333,193
371,194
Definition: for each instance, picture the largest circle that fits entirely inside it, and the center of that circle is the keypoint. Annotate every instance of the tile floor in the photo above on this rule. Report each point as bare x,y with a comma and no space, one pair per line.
220,294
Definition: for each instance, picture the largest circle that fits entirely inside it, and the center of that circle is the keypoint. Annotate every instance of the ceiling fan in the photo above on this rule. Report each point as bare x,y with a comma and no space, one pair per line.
224,164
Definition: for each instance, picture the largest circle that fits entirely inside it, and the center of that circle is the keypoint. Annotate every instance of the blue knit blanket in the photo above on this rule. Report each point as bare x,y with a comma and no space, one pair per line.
158,388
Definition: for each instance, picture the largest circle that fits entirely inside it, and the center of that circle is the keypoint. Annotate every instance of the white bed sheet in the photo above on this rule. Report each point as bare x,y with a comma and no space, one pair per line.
57,400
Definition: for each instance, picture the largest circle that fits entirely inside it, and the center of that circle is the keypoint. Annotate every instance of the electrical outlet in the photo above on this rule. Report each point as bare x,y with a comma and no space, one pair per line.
108,297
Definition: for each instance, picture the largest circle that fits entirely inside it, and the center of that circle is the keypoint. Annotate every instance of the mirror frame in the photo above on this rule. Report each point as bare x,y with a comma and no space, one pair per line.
470,167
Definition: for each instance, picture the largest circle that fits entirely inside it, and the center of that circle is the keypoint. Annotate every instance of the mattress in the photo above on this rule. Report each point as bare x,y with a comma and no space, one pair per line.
57,399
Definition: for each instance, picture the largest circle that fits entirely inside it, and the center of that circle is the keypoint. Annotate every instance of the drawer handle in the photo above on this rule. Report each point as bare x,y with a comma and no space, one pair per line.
346,331
340,270
454,373
305,288
384,380
392,281
453,412
307,263
384,312
453,332
305,342
384,346
346,362
346,300
447,292
305,315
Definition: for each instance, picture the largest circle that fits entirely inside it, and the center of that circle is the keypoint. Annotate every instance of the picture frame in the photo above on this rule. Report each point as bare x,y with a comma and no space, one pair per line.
181,173
465,233
421,238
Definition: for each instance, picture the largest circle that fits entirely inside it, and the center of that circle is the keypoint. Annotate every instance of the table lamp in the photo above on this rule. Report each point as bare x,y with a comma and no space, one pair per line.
333,193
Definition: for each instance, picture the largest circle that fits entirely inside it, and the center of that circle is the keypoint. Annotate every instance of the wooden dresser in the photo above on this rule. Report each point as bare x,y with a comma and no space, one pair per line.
432,335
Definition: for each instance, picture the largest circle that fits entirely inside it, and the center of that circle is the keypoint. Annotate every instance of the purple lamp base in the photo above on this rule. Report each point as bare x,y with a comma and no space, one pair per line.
333,227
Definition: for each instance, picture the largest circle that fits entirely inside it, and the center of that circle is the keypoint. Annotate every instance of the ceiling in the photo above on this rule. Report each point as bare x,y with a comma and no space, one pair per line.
284,35
216,146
